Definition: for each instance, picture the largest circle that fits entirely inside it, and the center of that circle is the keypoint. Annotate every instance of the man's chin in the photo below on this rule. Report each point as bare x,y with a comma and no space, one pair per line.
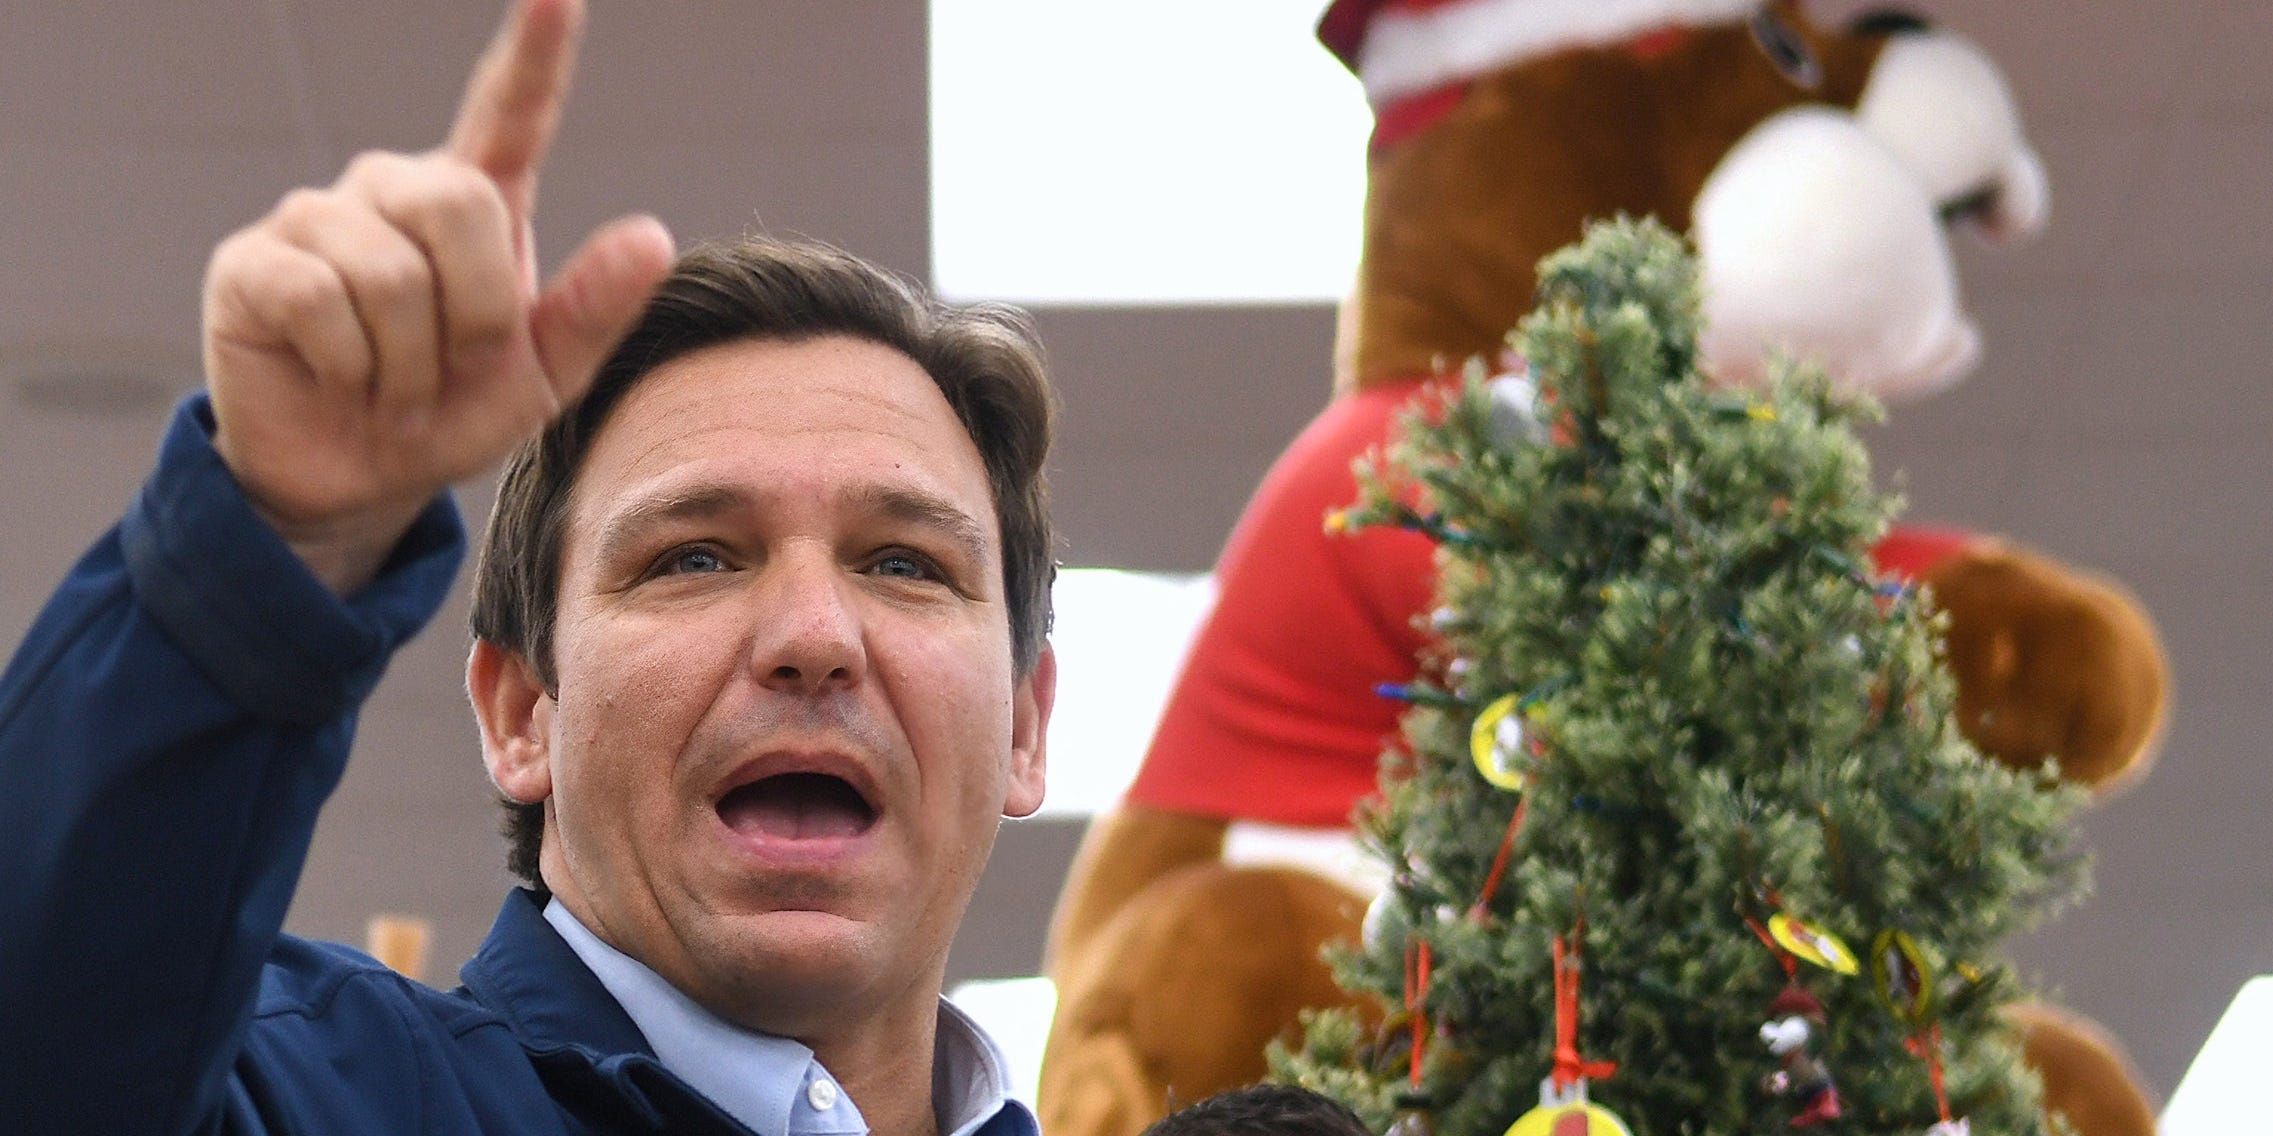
778,970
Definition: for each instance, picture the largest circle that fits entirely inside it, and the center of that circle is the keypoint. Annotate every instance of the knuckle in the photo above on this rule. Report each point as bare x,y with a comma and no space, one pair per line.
234,257
395,278
303,208
374,167
436,195
302,296
460,189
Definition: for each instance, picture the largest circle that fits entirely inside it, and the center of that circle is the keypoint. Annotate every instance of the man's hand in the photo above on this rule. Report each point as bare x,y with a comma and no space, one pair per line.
369,343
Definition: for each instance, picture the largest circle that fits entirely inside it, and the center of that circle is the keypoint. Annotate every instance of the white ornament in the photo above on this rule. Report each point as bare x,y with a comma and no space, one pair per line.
1515,411
1376,914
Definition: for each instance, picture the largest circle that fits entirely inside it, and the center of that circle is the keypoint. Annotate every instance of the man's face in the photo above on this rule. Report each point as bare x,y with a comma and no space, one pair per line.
787,722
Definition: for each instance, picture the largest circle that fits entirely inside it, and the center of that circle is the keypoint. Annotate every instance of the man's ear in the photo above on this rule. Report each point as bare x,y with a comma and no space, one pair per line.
516,722
1030,734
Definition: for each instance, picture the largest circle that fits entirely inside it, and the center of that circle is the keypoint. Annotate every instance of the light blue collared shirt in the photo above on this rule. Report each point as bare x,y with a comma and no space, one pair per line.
773,1084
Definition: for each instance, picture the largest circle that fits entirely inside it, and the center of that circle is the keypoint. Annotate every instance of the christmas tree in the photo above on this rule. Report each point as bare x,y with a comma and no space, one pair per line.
1681,824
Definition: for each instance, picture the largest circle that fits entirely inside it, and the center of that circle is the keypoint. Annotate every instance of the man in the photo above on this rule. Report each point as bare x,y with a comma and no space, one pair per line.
761,664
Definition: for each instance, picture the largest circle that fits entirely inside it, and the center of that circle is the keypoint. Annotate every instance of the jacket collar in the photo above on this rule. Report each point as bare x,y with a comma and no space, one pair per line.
590,1052
528,975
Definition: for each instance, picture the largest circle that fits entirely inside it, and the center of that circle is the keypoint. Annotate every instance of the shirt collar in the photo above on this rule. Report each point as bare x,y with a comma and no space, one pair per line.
773,1084
970,1078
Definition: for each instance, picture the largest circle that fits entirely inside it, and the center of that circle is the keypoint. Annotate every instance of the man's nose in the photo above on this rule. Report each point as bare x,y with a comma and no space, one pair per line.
808,635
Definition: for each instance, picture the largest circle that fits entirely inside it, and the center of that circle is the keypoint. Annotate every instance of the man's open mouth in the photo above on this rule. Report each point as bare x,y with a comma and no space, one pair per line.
797,806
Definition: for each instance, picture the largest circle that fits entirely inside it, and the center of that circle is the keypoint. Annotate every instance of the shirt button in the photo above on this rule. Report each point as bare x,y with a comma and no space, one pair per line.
822,1095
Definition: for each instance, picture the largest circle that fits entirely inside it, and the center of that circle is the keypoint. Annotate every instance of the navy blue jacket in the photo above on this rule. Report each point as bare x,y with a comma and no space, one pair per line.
169,728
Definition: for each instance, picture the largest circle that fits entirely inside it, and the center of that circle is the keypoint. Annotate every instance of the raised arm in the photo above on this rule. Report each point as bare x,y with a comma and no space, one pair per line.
174,719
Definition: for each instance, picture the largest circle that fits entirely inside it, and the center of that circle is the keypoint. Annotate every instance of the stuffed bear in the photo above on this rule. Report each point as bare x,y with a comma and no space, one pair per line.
1815,168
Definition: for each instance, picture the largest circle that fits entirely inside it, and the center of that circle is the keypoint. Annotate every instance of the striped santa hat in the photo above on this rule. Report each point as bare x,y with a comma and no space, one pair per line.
1402,48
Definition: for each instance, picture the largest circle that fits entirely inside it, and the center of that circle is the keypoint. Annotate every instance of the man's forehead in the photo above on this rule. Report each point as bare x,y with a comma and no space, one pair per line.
869,393
798,374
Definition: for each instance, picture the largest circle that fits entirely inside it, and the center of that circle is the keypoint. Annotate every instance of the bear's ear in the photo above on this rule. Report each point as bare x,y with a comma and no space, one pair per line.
1774,30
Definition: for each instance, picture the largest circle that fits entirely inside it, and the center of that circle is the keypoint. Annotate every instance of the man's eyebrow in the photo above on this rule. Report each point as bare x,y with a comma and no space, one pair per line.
971,538
622,528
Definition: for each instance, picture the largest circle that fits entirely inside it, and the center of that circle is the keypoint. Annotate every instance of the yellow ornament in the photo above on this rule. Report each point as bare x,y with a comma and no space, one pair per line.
1813,943
1568,1114
1496,743
1570,1120
1903,978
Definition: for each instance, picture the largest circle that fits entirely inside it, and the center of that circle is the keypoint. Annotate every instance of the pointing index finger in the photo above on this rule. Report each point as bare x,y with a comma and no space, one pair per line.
513,101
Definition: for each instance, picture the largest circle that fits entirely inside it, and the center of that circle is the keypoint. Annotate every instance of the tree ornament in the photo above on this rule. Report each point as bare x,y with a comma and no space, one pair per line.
1792,1032
1567,1112
1807,941
1412,1117
1571,1068
1376,914
1902,977
1905,981
1563,1108
1496,742
1515,419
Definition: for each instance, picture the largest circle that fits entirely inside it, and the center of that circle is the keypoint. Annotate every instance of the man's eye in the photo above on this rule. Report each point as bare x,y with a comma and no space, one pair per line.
905,566
690,561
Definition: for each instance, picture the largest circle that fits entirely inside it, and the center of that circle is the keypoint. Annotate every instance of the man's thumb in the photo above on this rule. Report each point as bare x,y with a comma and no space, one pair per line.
588,305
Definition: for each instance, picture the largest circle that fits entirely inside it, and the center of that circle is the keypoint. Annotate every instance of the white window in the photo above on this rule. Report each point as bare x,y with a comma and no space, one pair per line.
1178,151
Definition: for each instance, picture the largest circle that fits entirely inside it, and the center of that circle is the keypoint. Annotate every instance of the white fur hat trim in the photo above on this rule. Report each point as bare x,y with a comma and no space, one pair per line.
1408,50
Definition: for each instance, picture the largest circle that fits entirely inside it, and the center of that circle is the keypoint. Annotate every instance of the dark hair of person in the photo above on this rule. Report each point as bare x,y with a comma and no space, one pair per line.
1262,1110
985,358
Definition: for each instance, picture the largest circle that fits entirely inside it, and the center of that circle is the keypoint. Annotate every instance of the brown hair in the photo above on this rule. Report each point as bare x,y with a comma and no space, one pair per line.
1262,1110
985,358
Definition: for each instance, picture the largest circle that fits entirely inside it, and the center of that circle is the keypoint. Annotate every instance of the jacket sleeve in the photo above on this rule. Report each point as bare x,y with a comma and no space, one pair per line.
169,727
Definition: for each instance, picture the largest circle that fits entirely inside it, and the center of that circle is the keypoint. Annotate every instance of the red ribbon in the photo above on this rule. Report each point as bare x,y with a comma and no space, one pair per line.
1499,861
1416,992
1791,965
1927,1046
1569,1066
